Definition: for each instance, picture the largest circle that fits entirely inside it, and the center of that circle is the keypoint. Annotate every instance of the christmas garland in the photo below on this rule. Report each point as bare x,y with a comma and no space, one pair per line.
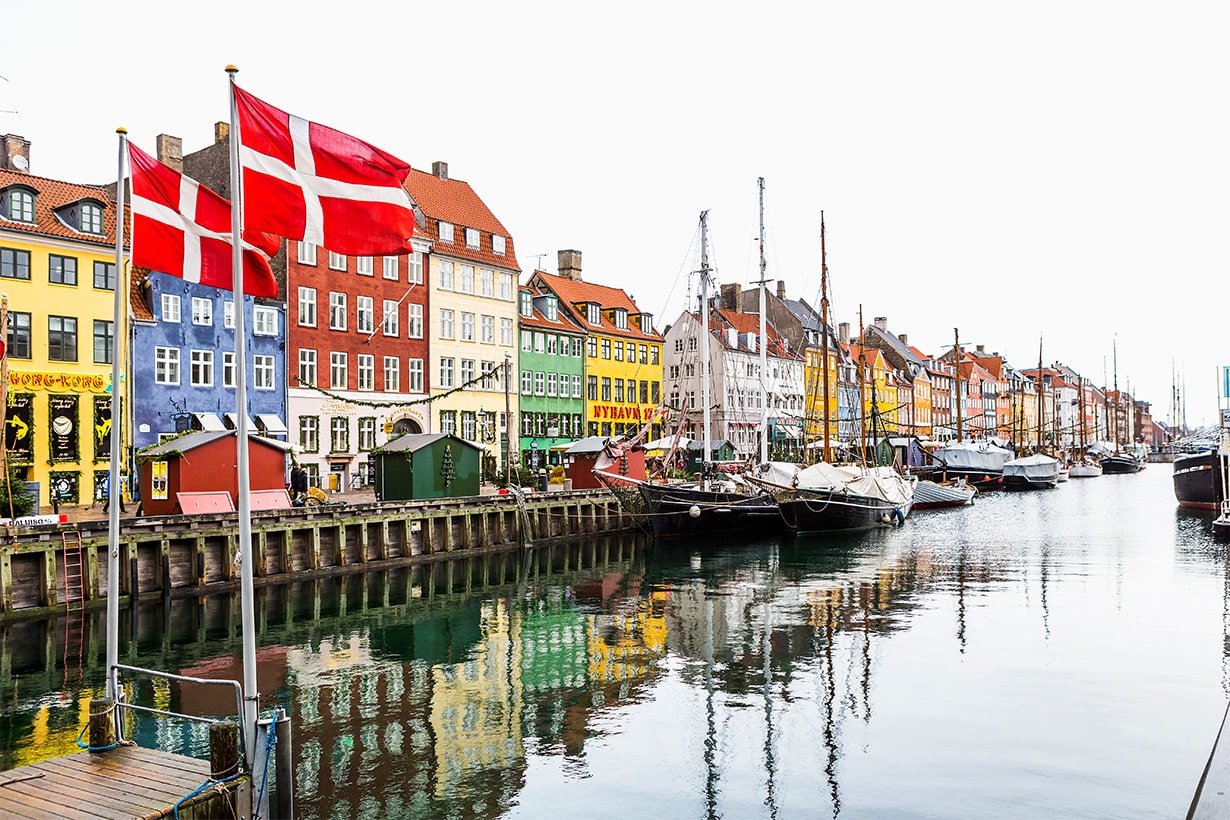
397,404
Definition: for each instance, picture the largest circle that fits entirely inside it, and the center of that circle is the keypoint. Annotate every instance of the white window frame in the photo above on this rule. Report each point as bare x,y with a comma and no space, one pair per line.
390,268
337,261
497,244
392,318
228,368
414,268
540,383
228,315
473,238
365,265
447,281
414,321
339,370
170,308
264,321
392,374
201,368
263,372
414,375
467,327
337,310
307,307
507,291
446,231
486,282
506,331
527,340
527,382
466,285
593,313
365,371
365,314
307,253
202,311
307,367
447,371
166,365
487,330
576,386
446,323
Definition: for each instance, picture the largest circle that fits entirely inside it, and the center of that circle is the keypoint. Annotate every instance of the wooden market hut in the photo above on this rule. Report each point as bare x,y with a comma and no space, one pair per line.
205,462
427,465
584,454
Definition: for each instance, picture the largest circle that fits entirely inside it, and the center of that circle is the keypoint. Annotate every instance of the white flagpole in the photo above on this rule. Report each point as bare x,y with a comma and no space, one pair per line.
113,469
251,696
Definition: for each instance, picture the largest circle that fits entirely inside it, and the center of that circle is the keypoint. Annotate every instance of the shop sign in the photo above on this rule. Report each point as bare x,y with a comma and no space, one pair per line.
65,436
102,428
80,382
19,430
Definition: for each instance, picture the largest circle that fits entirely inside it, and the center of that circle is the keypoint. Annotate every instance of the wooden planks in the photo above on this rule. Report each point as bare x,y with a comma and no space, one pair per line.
1212,799
126,782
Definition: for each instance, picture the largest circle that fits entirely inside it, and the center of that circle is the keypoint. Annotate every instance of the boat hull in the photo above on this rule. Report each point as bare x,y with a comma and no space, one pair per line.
675,511
1023,482
1118,465
1198,481
819,511
928,495
1085,470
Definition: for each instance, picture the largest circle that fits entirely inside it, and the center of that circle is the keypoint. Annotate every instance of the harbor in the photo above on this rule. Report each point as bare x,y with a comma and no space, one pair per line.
1057,653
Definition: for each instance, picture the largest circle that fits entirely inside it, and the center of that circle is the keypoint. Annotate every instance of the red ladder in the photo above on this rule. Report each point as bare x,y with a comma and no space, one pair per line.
74,605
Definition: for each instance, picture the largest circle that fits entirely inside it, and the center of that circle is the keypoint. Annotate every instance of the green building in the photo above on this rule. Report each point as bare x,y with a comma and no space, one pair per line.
552,363
427,465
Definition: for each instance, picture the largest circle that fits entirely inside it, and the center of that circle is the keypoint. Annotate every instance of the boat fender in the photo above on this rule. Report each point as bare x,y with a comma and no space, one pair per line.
694,511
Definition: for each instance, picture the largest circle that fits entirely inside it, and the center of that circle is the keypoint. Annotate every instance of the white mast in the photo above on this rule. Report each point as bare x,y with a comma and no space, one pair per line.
114,483
704,348
764,353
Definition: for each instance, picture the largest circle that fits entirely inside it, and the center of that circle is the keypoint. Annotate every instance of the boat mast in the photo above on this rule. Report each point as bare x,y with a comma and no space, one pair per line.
862,402
1114,349
824,331
704,349
956,365
1041,397
1082,410
764,351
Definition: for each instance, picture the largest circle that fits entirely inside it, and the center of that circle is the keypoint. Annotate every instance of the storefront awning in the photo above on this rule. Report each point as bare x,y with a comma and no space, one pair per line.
209,422
232,422
270,423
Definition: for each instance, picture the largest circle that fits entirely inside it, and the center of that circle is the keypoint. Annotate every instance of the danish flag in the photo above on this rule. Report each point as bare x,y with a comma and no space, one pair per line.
182,228
305,181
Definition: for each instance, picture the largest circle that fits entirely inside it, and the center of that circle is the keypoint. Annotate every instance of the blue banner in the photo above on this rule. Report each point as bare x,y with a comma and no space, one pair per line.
1225,382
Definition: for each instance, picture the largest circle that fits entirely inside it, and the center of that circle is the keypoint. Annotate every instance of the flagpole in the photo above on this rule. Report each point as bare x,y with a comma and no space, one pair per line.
113,469
251,696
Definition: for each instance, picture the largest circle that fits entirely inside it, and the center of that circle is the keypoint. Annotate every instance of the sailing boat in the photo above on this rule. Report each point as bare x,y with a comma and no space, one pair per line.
1038,471
1085,467
978,462
1118,461
709,506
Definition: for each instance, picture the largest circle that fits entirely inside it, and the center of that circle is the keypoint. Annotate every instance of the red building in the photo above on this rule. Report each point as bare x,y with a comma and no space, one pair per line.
206,462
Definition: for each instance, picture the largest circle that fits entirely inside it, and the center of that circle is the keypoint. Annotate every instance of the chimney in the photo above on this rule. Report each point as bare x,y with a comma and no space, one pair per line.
731,297
15,153
781,289
440,169
843,333
170,151
981,348
569,264
221,131
905,340
881,322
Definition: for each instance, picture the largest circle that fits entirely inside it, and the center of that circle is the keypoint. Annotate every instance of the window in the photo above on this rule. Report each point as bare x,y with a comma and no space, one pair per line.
364,266
390,323
679,345
467,278
472,238
414,322
262,372
339,434
61,338
486,282
506,331
551,377
414,375
552,344
654,354
467,327
202,368
540,342
307,253
91,218
14,264
591,347
20,206
644,354
593,314
307,367
606,348
202,311
647,322
448,422
166,365
467,371
365,314
367,371
606,389
392,374
446,232
552,309
307,307
309,434
619,352
390,267
228,312
488,330
62,270
619,389
467,425
338,366
489,373
645,392
104,340
170,307
526,307
497,244
337,311
576,347
19,336
527,340
591,388
367,434
527,424
265,321
506,286
414,268
446,324
576,387
621,318
446,372
446,275
337,261
228,369
691,343
527,382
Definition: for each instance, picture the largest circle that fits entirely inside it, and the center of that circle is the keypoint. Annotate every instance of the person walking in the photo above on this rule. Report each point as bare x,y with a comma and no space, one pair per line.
107,493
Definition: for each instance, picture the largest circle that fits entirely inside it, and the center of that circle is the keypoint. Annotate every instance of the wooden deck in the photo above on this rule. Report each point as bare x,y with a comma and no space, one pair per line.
1212,799
125,782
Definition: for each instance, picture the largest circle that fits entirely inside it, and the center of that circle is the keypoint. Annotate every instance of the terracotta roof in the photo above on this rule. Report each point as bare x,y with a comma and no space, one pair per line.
454,201
750,323
564,322
136,295
572,293
51,194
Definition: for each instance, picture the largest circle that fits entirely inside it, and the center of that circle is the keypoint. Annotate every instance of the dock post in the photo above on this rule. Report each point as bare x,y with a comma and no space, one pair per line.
284,769
223,749
102,724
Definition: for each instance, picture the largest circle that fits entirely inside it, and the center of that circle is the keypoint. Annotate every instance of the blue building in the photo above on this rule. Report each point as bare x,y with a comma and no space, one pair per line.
183,360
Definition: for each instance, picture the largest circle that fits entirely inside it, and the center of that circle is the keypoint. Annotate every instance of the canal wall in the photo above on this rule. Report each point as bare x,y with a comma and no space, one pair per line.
194,554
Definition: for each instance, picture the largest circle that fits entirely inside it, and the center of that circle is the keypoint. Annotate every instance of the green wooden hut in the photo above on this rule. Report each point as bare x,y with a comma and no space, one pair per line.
427,465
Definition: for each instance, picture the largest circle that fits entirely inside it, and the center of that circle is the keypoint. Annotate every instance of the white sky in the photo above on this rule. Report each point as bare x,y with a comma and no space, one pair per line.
1045,169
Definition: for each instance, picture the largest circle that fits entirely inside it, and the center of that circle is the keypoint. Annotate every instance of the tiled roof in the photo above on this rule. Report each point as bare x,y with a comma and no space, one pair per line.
51,194
454,201
136,295
564,322
750,323
571,293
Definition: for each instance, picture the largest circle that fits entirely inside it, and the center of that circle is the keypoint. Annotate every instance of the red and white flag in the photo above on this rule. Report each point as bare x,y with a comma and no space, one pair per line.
305,181
182,228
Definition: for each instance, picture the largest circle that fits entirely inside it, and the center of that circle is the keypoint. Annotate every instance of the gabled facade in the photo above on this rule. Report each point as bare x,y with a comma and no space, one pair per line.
552,378
57,266
472,276
623,350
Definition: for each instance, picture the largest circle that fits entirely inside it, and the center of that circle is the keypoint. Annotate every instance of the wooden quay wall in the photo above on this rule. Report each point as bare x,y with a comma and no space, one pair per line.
195,554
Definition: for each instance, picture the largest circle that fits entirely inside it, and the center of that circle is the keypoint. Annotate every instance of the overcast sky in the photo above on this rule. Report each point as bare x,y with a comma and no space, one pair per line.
1044,170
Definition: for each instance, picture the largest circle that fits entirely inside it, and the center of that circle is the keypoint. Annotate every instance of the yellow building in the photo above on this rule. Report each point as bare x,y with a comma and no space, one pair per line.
623,351
814,379
877,383
57,269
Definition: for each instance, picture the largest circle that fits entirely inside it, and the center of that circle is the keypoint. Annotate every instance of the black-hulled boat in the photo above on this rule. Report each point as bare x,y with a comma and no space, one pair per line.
1118,463
1198,483
674,510
825,498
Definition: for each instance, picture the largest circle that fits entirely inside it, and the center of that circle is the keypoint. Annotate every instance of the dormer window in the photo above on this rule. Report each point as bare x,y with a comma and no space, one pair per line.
446,231
593,314
527,304
91,218
497,245
621,318
18,205
472,238
552,309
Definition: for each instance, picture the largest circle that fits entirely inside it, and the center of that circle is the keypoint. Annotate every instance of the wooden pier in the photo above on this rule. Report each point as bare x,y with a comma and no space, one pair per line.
193,554
127,782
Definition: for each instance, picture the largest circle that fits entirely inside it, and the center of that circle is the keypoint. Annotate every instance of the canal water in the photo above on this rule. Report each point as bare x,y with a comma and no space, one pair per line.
1053,654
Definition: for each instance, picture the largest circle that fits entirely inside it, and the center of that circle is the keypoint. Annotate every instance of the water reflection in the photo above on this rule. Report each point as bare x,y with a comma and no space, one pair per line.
729,678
